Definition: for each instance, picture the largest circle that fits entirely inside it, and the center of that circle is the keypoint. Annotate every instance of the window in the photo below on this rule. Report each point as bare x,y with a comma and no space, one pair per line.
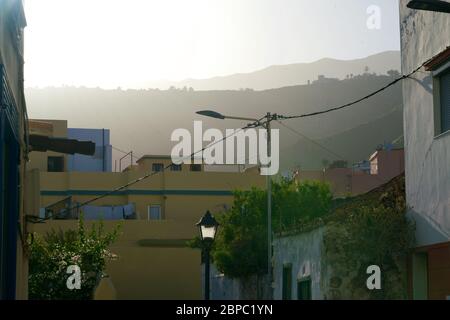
196,167
374,166
154,212
304,289
441,92
55,164
444,97
287,282
175,167
157,167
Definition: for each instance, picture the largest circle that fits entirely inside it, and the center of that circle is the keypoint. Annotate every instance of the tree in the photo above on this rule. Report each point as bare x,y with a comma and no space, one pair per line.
53,253
393,74
240,249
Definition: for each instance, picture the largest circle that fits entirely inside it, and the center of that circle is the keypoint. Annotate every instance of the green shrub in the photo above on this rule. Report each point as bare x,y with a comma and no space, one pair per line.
51,254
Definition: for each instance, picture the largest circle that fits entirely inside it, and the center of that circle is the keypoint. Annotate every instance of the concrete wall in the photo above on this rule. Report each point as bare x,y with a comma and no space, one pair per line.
424,35
101,160
304,253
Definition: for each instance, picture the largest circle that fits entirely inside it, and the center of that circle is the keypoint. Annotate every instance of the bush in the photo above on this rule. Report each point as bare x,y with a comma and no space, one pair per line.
51,254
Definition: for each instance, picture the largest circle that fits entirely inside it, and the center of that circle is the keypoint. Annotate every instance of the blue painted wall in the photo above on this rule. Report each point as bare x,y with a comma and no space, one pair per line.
101,160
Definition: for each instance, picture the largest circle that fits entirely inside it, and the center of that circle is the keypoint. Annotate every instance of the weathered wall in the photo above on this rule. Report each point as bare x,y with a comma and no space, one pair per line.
304,252
424,35
224,288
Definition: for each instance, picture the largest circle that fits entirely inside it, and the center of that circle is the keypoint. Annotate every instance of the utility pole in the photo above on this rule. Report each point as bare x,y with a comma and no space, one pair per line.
269,208
266,124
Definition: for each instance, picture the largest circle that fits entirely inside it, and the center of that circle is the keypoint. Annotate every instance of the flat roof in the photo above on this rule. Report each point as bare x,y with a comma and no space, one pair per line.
156,156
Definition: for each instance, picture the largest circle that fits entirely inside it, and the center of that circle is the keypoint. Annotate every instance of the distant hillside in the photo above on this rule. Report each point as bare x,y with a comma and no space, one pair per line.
290,75
143,120
353,145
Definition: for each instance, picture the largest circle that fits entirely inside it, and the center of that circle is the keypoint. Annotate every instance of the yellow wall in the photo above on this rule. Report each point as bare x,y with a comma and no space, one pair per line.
147,267
174,203
154,262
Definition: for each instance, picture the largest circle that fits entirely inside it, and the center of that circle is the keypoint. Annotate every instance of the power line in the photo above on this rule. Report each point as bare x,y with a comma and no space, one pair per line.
358,100
117,149
254,124
146,176
311,140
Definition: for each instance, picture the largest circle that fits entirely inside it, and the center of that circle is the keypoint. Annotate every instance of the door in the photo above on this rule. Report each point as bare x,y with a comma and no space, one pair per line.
304,289
287,282
439,272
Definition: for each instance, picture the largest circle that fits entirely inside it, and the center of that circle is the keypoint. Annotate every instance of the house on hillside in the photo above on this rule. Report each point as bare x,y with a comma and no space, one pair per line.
383,165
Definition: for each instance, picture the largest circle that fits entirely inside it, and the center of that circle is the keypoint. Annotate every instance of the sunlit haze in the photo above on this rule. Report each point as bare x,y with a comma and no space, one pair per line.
112,43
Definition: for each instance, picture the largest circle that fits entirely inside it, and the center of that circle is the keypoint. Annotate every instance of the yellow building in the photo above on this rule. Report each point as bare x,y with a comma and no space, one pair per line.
154,262
13,152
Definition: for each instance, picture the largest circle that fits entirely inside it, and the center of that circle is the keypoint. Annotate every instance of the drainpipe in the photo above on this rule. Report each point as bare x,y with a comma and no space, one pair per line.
103,148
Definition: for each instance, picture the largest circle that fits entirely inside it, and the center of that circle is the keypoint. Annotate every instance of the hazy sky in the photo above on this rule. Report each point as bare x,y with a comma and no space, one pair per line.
127,43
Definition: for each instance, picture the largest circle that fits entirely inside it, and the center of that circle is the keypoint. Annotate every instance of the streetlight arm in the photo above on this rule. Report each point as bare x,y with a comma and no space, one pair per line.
217,115
430,5
240,118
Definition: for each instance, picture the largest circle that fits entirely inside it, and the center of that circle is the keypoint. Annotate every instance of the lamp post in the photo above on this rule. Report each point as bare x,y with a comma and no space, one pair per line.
266,124
430,5
208,229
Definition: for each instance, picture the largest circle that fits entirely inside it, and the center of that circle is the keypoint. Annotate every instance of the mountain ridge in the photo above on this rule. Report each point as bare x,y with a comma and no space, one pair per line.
277,76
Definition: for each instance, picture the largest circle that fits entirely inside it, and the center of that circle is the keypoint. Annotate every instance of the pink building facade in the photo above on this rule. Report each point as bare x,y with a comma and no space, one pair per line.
384,165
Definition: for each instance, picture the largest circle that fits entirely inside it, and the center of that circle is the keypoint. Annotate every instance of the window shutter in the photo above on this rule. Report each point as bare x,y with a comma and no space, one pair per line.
445,101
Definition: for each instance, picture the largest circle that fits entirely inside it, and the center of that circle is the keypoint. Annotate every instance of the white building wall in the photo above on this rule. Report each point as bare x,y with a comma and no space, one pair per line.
427,158
304,252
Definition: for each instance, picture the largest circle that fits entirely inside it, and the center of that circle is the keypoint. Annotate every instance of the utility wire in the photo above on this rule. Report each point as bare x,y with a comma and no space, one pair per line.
358,100
146,176
117,149
254,124
126,152
311,140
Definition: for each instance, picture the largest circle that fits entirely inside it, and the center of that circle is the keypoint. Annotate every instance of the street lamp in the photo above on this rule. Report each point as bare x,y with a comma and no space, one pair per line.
208,229
266,124
217,115
430,5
